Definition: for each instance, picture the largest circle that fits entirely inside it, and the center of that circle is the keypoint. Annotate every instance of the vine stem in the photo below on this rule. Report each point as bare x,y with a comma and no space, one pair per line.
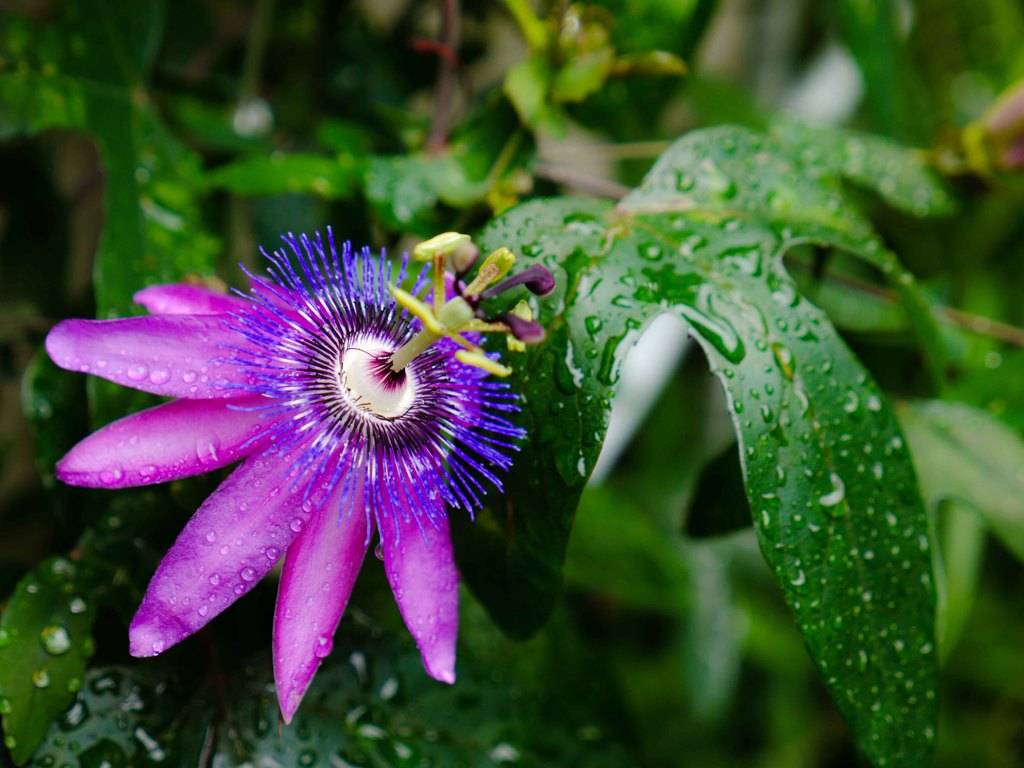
447,72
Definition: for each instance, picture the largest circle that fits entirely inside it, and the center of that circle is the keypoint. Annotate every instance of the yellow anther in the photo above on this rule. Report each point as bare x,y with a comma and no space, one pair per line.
482,326
438,245
495,267
481,361
418,309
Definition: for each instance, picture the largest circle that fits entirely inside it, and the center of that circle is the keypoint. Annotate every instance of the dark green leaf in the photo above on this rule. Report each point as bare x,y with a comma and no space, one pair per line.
829,480
986,388
87,70
718,505
120,717
283,174
44,644
54,406
619,553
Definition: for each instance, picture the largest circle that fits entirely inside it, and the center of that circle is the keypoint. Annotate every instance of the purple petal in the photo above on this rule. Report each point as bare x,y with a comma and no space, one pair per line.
186,299
421,570
174,440
319,571
237,535
172,355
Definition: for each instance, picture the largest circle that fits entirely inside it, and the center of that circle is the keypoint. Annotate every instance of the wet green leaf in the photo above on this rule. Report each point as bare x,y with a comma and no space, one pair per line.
966,455
44,645
885,167
120,717
829,480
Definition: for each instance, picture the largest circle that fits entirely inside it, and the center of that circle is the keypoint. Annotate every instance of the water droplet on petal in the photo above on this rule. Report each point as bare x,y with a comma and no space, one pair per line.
323,646
137,372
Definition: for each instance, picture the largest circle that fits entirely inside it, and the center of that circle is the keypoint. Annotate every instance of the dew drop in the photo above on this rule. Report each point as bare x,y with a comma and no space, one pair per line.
41,678
77,605
835,497
56,640
323,646
160,376
137,372
248,574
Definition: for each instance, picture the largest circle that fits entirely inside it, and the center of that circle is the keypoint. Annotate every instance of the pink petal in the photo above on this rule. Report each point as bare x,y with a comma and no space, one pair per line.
319,571
173,355
186,299
425,581
237,535
177,439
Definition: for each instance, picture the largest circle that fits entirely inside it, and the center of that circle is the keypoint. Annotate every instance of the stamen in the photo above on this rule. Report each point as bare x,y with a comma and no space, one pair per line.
449,319
495,267
480,360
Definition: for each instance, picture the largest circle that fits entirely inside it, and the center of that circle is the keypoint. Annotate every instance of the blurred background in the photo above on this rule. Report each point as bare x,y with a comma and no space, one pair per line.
143,142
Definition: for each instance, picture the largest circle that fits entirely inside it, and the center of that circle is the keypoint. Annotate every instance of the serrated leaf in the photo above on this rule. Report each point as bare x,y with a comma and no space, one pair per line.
829,480
964,454
87,70
44,644
281,174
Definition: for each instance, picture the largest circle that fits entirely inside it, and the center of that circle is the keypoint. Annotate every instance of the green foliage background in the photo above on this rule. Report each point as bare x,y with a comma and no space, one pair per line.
807,554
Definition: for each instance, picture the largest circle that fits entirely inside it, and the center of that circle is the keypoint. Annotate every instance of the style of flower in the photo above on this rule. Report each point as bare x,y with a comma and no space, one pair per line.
353,406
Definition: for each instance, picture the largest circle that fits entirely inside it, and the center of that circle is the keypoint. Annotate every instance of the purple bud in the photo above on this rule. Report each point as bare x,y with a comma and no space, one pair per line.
527,331
537,279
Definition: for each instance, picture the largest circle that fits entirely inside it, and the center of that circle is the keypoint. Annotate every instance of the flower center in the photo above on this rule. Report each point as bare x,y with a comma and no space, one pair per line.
367,379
